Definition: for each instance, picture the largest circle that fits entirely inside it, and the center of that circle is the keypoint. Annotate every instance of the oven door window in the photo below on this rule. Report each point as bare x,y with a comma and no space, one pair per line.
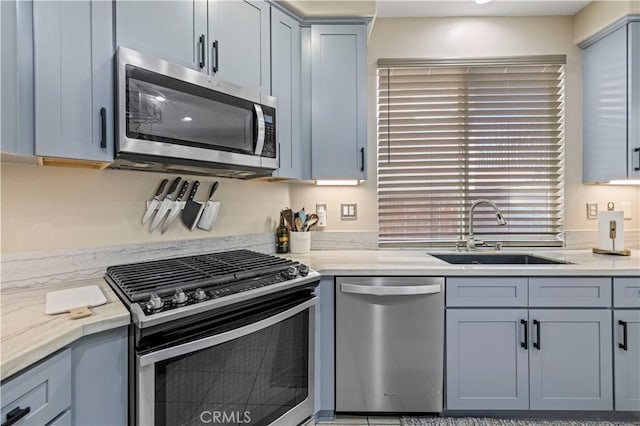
164,109
253,380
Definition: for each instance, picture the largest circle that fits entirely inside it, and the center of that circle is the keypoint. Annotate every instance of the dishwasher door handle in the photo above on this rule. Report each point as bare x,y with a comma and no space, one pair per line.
400,290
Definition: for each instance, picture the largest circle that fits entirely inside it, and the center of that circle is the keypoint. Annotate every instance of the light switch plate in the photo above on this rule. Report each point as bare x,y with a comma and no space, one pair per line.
592,210
348,211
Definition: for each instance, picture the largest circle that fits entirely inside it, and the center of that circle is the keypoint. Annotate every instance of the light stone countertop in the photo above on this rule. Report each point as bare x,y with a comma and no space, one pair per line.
29,335
418,262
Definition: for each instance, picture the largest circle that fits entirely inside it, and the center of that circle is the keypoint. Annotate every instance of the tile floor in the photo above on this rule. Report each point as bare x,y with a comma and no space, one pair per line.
362,421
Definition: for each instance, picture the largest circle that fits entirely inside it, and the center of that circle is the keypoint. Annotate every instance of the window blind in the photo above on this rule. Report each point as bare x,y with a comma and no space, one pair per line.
451,134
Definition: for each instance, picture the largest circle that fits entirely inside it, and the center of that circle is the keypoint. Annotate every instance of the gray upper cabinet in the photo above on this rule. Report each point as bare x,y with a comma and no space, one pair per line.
611,105
73,60
487,359
239,43
16,84
626,350
570,365
339,105
175,31
285,85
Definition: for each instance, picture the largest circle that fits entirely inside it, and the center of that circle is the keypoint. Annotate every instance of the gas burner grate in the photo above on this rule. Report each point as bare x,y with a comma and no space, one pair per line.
138,280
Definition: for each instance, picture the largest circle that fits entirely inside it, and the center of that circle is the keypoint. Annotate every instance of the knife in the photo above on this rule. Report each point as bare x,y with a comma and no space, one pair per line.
167,202
154,202
175,208
192,209
211,210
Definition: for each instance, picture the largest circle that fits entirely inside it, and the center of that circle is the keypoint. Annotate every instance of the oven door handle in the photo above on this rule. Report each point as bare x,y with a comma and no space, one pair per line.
217,339
260,125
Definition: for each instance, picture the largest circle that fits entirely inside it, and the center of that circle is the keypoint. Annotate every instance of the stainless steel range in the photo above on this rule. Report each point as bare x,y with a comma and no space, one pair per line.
219,338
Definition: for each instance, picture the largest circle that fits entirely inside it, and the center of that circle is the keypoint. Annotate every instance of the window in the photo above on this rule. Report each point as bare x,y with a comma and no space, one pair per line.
452,133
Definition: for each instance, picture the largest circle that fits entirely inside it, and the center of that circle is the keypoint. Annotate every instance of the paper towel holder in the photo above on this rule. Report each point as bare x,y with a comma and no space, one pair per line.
612,235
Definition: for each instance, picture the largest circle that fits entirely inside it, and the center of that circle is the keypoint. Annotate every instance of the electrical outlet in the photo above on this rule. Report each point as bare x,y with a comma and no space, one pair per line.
592,210
626,208
348,211
321,211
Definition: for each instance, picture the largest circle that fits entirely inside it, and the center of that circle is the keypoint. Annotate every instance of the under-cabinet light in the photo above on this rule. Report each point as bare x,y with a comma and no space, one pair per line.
625,182
482,1
352,182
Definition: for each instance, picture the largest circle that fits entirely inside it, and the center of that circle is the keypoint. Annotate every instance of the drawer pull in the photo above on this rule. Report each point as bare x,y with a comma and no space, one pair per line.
15,415
624,344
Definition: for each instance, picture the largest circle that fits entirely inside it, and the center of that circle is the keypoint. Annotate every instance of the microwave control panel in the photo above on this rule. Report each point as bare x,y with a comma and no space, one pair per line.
269,149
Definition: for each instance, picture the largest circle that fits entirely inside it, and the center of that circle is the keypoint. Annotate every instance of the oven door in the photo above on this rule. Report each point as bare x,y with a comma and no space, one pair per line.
260,373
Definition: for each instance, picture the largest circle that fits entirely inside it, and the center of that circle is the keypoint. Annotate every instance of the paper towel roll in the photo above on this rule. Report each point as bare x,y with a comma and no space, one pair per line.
604,240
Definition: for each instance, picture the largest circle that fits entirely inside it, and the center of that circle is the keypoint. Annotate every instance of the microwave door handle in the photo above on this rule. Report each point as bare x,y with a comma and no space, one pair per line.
260,124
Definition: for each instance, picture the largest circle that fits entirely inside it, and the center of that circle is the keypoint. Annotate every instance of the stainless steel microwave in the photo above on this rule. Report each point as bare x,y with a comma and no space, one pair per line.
175,119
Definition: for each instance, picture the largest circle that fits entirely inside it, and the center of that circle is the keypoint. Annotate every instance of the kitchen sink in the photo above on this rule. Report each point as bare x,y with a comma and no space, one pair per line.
496,259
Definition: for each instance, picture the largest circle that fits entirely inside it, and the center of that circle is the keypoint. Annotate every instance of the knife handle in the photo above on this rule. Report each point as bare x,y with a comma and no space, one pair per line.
213,189
160,190
183,190
174,185
194,189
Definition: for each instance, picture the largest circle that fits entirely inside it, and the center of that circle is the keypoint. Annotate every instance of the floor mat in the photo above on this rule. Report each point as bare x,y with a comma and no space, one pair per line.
485,421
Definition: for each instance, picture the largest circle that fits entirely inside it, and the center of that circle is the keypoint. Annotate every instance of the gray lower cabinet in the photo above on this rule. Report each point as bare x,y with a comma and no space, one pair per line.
285,85
487,365
73,62
339,108
100,378
508,354
83,384
175,31
626,355
40,394
570,365
325,349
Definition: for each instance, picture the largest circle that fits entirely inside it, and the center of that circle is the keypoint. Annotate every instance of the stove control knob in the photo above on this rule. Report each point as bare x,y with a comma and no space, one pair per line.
179,297
155,302
304,270
199,294
290,273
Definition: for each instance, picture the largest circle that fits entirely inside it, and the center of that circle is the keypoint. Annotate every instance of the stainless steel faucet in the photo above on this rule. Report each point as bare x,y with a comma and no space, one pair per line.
471,241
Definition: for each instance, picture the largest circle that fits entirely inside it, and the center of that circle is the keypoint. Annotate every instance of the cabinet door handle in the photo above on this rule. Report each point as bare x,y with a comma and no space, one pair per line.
201,53
525,344
15,415
536,344
214,48
362,158
625,342
103,127
637,168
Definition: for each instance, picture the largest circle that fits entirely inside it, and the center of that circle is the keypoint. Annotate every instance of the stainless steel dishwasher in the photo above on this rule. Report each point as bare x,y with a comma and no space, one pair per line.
389,344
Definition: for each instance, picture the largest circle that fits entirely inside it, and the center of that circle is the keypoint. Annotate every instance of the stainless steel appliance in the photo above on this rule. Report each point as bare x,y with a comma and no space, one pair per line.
175,119
389,344
224,338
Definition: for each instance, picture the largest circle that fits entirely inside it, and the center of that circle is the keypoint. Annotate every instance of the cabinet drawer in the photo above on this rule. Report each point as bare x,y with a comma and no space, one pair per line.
626,292
493,292
570,292
45,389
